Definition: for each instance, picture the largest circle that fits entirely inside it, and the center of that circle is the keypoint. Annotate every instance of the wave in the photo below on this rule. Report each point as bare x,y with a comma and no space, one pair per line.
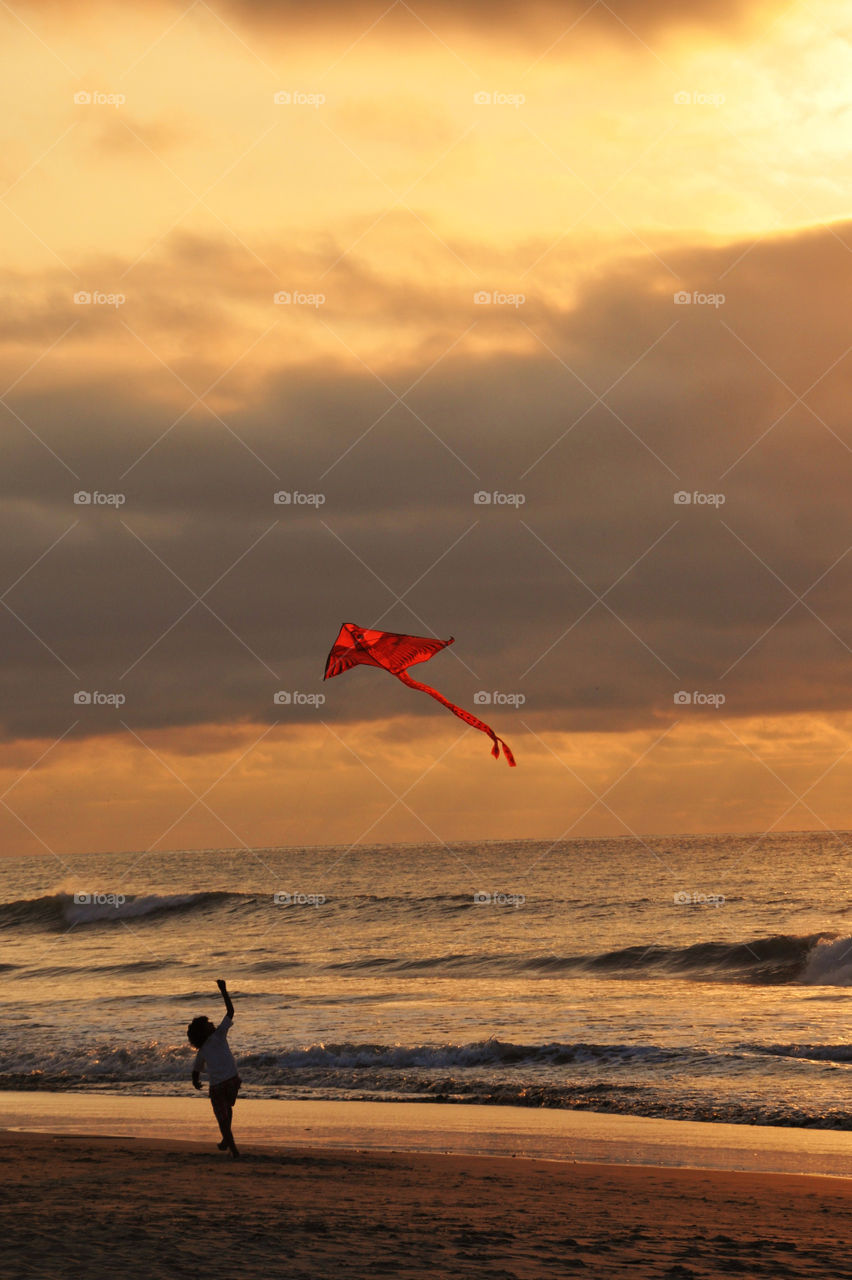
774,960
123,1062
62,910
461,960
482,1053
806,1052
812,958
94,970
628,1079
829,963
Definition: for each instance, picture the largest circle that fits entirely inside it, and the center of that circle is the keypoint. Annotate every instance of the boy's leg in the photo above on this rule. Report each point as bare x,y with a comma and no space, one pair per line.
222,1111
222,1097
233,1088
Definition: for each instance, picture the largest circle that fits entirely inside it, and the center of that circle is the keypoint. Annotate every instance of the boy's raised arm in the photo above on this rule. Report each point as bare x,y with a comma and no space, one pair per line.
229,1008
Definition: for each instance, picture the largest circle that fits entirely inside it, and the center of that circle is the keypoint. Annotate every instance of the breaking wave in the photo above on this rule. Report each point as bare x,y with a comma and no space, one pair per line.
815,959
61,910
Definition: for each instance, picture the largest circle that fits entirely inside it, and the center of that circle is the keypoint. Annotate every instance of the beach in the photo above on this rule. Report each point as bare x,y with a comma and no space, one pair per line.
155,1209
602,1080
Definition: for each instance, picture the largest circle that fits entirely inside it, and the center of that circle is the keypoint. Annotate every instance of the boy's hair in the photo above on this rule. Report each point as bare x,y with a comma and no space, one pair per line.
197,1031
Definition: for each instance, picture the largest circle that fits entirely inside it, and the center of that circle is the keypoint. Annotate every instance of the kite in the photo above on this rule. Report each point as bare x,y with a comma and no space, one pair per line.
395,653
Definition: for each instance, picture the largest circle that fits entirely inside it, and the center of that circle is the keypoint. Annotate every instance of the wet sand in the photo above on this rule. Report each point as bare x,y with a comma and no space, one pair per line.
76,1206
536,1133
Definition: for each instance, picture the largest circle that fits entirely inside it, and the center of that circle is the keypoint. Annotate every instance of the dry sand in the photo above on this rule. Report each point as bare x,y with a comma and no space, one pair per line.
77,1207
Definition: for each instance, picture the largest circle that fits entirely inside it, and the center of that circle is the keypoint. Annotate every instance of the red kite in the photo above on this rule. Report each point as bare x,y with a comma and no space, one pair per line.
395,653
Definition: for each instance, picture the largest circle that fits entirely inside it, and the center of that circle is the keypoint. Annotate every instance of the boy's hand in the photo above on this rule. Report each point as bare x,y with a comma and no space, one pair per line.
196,1080
229,1008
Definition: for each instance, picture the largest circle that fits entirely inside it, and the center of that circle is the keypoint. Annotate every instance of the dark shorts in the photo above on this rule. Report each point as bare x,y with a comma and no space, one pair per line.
223,1096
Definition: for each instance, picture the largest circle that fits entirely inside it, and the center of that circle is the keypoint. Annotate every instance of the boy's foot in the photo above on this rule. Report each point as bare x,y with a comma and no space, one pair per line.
234,1152
222,1146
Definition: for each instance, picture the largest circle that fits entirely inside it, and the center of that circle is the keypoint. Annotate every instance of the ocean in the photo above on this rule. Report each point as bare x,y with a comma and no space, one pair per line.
694,978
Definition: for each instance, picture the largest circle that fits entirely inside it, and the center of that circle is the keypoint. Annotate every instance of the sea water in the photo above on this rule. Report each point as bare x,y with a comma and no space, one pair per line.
694,978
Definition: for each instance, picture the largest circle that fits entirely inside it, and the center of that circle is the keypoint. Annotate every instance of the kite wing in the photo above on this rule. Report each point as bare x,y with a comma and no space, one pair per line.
385,649
395,652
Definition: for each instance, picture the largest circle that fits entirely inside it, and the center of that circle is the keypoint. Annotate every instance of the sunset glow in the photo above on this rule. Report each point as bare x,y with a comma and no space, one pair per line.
381,261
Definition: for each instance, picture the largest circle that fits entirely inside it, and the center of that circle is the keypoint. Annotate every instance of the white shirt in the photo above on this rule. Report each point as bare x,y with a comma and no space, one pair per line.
216,1053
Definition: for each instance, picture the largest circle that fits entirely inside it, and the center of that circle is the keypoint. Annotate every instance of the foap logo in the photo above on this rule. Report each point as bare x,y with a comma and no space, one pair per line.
94,698
483,899
683,498
697,699
97,98
293,698
298,899
684,298
684,899
486,298
99,899
97,298
94,498
296,298
482,498
484,698
687,98
496,98
298,98
295,498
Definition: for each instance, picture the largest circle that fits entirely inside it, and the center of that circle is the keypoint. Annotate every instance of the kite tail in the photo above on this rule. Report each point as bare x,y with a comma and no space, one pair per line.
467,716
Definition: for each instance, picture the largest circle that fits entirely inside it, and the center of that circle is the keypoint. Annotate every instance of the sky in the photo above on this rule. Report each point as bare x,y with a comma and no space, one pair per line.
534,320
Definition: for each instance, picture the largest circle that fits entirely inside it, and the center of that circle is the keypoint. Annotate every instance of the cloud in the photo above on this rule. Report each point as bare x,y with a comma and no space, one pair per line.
125,136
263,788
485,18
599,597
519,19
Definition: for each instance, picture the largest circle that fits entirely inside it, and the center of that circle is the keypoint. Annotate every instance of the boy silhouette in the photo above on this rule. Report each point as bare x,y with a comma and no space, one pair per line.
214,1056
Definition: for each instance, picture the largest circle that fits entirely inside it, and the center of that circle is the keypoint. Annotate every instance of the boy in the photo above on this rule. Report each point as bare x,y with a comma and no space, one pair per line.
214,1056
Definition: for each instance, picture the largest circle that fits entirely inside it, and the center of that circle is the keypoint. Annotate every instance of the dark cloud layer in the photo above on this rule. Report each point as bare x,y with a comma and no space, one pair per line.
527,17
528,20
691,591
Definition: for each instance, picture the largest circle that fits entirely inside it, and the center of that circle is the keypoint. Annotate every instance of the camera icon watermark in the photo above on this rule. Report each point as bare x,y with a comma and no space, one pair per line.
295,498
94,498
298,98
296,298
687,98
99,899
482,498
96,98
497,98
484,698
293,698
684,298
683,698
683,498
94,698
298,899
684,899
483,899
97,298
496,298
